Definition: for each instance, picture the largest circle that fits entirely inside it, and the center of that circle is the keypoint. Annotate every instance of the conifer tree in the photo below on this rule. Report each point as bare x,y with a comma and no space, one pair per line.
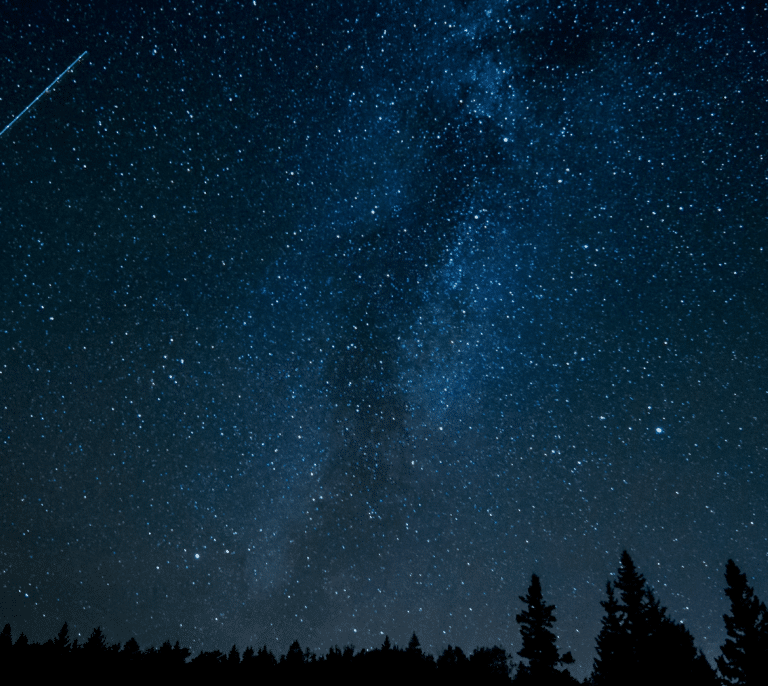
265,661
131,651
609,640
165,653
249,656
452,660
414,646
744,658
6,640
418,665
209,663
58,651
294,658
638,643
234,656
167,659
539,641
93,656
413,657
61,643
96,643
181,654
130,658
490,666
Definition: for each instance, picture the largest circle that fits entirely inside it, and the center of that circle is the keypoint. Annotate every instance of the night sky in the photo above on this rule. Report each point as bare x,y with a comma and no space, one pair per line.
325,321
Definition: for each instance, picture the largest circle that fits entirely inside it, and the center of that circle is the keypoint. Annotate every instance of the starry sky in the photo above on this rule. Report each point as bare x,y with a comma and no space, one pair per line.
330,320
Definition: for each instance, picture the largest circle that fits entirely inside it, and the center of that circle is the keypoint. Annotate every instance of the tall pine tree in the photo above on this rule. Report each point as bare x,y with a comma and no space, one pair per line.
609,641
539,641
61,643
638,643
6,641
744,658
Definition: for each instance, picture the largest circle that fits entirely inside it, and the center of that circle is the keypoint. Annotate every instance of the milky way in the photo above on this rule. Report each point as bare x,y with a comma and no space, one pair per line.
331,321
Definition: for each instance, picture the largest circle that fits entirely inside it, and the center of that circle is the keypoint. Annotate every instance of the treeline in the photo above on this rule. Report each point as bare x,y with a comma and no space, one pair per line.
638,644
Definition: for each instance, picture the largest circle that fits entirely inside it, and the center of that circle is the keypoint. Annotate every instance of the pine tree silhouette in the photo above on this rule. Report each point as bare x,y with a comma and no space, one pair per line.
232,666
264,663
180,654
609,640
234,655
209,664
6,643
97,642
21,647
539,641
129,660
414,646
61,643
452,661
744,658
166,660
293,661
93,656
415,664
113,653
248,659
489,666
638,643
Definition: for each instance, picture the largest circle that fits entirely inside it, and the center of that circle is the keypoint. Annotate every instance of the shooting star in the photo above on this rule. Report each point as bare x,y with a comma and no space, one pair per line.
21,114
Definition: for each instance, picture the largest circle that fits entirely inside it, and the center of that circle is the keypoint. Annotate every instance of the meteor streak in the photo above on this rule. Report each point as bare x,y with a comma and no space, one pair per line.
21,114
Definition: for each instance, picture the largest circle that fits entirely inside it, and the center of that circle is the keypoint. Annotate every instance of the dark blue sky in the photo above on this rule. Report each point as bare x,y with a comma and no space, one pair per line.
330,320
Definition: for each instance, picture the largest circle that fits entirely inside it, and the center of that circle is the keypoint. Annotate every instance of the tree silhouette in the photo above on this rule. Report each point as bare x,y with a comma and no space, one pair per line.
453,663
96,643
676,658
180,654
489,666
609,640
248,660
130,656
293,661
233,659
264,662
415,664
744,658
21,648
6,642
208,663
93,656
638,643
113,650
414,646
166,660
61,643
539,642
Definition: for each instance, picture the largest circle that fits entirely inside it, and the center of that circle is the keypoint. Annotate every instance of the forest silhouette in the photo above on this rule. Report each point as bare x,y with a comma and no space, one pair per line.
638,643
